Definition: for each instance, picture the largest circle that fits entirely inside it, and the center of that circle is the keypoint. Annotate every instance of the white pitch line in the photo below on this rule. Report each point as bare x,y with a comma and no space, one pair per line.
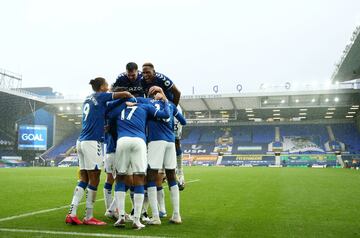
40,212
74,233
59,208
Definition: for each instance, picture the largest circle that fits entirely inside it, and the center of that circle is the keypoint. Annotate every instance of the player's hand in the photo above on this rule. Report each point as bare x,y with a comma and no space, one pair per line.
130,104
106,128
128,94
160,96
155,89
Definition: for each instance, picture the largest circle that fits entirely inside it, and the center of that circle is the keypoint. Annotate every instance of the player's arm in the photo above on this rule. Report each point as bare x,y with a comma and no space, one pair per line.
176,93
112,104
168,85
180,117
125,94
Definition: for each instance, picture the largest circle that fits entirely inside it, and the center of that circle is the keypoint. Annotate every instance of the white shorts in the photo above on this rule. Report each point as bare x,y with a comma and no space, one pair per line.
109,163
130,152
90,154
178,126
161,154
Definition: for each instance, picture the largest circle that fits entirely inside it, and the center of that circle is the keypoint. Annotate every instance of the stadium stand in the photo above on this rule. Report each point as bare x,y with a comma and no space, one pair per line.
348,134
303,144
57,153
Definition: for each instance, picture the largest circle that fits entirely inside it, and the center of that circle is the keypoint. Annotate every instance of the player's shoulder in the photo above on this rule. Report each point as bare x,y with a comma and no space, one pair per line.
89,97
143,100
160,76
162,79
122,77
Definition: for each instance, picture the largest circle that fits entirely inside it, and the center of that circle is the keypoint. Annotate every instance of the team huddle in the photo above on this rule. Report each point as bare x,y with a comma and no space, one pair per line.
139,122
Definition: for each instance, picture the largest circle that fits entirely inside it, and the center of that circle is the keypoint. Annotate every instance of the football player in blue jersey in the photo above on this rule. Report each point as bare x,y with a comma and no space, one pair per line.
131,151
152,78
162,154
110,141
131,80
89,148
152,81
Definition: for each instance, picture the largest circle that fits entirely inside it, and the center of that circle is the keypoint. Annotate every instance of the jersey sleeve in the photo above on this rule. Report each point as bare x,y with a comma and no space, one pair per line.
118,81
112,104
165,82
180,117
159,113
115,112
105,97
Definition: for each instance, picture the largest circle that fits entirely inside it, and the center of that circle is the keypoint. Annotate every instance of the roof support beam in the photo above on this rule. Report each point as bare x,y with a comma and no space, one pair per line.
206,105
233,103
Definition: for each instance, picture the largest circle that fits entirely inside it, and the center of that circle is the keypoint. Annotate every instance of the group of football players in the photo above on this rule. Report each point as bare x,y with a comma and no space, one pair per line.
139,122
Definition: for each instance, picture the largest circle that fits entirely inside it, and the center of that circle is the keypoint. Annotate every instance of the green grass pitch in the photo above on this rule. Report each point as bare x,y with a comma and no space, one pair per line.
220,202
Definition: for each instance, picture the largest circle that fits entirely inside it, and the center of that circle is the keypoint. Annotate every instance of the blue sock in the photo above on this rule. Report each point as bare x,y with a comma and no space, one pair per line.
172,183
139,189
151,184
92,187
108,186
82,184
120,186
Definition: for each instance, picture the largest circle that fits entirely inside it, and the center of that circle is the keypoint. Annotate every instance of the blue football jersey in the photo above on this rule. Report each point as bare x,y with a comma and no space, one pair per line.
161,81
93,119
111,136
163,129
134,87
131,120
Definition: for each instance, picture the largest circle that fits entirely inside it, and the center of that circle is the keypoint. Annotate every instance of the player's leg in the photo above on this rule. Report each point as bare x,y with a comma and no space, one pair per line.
108,167
160,193
120,194
156,150
144,215
93,159
122,162
170,165
179,155
138,164
179,169
129,184
79,191
152,195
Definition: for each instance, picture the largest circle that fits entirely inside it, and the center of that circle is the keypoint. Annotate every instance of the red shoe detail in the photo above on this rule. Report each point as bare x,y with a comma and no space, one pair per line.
72,220
93,221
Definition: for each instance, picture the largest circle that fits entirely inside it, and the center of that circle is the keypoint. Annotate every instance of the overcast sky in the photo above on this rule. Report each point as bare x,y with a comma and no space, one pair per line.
197,43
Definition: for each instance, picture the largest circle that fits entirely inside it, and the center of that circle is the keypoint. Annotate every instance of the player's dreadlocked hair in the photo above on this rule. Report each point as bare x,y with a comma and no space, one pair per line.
131,66
96,83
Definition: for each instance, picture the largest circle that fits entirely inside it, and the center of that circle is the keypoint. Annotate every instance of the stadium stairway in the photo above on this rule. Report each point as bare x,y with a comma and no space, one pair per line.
57,152
218,161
